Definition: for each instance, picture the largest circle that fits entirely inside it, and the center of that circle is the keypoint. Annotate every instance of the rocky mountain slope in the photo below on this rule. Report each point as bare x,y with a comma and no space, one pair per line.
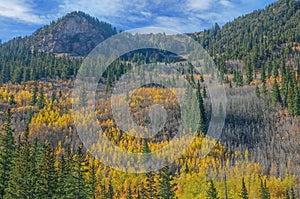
76,34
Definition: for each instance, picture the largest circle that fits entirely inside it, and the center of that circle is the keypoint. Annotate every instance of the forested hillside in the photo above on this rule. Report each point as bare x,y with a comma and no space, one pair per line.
257,156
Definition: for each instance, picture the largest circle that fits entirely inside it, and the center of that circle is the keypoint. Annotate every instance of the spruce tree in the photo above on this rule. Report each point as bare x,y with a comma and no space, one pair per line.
22,181
79,171
7,153
244,192
93,180
264,191
202,123
275,93
150,186
110,192
65,180
293,195
128,193
41,99
83,97
212,192
48,179
296,107
34,95
165,186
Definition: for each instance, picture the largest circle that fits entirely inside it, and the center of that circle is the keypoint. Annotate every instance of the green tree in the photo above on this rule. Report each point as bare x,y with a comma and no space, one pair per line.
21,184
202,123
212,192
7,153
244,192
128,193
34,95
296,107
12,100
65,180
83,97
264,191
47,182
150,186
41,99
80,170
93,180
165,186
275,93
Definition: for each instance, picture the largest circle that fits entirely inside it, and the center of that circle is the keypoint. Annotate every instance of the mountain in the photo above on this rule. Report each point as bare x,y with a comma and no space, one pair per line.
75,34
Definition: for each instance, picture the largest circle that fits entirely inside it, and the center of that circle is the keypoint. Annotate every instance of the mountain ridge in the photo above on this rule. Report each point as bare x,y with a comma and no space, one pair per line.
76,34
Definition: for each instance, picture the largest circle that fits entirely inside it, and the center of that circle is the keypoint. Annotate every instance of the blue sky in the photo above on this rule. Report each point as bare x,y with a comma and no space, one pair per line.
23,17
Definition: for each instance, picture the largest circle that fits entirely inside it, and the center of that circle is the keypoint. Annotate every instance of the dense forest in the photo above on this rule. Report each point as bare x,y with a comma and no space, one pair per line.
257,156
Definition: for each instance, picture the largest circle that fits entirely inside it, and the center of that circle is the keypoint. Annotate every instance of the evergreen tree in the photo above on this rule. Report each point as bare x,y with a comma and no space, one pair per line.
275,93
293,195
80,169
264,191
47,183
150,186
110,193
83,97
165,186
7,153
128,194
65,180
41,99
93,180
212,192
34,95
296,103
249,74
287,194
202,123
12,100
21,184
244,192
257,92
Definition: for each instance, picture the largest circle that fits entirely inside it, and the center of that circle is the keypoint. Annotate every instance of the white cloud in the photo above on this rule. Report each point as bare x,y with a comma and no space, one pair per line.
198,5
102,8
19,10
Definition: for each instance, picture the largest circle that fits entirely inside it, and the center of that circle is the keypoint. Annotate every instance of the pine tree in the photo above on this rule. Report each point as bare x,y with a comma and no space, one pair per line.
275,94
150,186
128,194
7,153
263,75
92,180
47,181
287,194
34,95
165,186
83,97
110,193
257,92
264,191
65,180
296,107
293,195
80,169
12,100
249,74
41,99
244,192
212,192
202,123
21,184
